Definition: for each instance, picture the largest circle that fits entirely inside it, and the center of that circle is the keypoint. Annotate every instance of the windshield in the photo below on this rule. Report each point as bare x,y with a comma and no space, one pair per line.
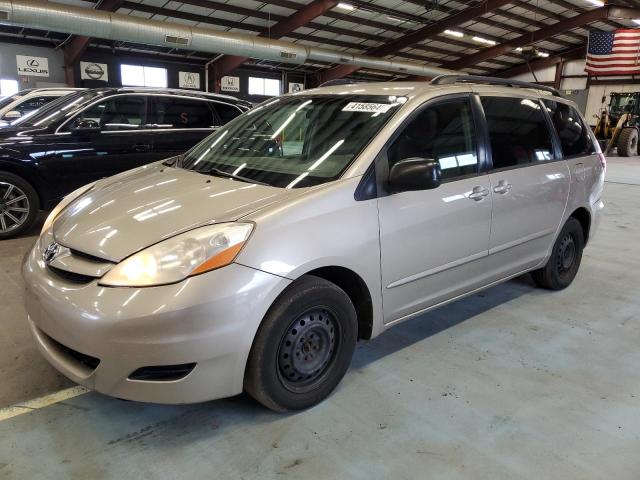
297,141
622,103
57,110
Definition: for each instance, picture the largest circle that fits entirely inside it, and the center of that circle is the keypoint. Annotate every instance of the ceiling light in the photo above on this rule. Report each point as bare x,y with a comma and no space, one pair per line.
636,21
346,6
597,3
454,33
518,49
483,40
542,54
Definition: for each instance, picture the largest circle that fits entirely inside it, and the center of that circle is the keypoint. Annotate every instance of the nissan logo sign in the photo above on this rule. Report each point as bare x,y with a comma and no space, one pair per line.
94,71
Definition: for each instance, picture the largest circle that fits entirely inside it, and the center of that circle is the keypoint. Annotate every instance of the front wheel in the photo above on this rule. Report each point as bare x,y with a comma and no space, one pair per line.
303,347
562,267
19,205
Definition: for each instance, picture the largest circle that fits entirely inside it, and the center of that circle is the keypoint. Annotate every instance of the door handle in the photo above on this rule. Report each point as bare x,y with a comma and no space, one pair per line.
478,193
502,187
141,147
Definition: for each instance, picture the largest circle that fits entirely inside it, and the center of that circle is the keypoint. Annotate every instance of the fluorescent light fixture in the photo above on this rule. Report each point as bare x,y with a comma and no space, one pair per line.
346,6
483,40
518,49
597,3
454,33
542,54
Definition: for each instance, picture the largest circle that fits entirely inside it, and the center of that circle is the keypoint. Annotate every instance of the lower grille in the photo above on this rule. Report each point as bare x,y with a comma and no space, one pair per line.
82,358
163,373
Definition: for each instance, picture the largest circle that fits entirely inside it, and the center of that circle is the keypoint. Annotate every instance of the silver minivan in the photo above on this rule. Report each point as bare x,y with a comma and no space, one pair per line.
259,258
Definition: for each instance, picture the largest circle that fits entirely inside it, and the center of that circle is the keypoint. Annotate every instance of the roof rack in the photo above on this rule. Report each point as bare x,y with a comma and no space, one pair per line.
451,79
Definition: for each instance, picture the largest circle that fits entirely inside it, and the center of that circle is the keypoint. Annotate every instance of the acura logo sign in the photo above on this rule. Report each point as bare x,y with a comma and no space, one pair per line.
51,252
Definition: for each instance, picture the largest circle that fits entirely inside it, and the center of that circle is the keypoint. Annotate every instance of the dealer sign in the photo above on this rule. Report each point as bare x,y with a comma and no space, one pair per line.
32,66
94,71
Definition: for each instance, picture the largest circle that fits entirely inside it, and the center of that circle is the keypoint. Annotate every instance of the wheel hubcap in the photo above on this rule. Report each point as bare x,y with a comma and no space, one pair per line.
566,254
307,348
14,207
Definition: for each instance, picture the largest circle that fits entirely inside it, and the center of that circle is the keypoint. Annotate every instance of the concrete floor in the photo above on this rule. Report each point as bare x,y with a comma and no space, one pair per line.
514,382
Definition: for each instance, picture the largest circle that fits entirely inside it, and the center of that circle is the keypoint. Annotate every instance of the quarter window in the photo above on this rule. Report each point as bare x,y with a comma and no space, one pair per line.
117,113
574,136
517,130
178,112
445,133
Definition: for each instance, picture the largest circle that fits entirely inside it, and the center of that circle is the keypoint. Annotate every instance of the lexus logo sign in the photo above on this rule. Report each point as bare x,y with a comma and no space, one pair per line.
93,71
32,66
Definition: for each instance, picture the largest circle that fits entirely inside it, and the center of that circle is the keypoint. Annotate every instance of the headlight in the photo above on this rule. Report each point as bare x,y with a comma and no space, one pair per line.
182,256
64,204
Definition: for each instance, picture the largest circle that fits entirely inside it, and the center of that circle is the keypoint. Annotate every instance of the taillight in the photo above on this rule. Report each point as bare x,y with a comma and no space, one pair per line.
603,161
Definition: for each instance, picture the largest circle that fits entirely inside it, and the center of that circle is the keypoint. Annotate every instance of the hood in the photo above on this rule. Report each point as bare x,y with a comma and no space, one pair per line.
126,213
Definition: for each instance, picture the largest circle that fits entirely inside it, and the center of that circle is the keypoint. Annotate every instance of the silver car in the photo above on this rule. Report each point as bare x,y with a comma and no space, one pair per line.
256,260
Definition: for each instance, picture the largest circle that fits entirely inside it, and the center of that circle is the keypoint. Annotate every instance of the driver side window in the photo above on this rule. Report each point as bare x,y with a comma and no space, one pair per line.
126,112
445,133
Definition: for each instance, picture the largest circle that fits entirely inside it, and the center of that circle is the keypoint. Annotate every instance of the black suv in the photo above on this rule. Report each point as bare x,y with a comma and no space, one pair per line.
96,133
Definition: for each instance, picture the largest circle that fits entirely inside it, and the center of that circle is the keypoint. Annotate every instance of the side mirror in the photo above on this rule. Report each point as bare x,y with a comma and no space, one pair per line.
415,174
86,126
12,115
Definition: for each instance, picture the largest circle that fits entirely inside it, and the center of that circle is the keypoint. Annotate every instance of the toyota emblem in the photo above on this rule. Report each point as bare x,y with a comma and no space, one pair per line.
50,252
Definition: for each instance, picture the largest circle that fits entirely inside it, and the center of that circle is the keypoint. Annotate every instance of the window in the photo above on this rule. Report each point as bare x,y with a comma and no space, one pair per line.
517,130
33,103
445,133
574,136
226,112
294,142
264,86
126,112
8,87
180,112
139,76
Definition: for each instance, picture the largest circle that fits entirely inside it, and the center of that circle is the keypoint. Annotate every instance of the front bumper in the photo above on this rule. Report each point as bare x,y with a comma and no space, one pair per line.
210,319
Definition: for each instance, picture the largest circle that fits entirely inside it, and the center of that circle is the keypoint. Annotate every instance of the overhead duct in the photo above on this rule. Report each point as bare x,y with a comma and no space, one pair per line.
70,19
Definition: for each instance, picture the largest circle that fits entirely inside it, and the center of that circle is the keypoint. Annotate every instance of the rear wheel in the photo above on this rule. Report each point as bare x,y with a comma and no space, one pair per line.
19,205
562,267
303,347
628,142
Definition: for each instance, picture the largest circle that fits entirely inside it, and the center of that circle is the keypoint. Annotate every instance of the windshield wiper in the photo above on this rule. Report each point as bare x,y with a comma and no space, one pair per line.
222,173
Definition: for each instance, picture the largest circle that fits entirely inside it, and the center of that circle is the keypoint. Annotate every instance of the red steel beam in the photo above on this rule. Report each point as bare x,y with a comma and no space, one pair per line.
416,37
585,18
78,44
228,63
541,63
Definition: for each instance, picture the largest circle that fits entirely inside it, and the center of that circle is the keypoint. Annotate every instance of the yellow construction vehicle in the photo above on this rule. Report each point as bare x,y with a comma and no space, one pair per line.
618,124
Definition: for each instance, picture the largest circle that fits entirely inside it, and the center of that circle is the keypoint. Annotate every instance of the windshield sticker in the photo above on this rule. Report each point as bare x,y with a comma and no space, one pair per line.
367,107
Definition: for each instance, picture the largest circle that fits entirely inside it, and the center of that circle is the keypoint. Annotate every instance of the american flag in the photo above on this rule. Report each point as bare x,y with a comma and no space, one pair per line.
614,53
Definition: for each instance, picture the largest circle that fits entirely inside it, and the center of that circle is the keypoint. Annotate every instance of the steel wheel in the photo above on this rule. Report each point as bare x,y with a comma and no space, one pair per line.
307,349
14,207
566,254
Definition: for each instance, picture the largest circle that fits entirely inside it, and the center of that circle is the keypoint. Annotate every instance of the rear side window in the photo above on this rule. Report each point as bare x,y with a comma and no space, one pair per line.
443,132
574,136
179,112
517,130
33,104
226,112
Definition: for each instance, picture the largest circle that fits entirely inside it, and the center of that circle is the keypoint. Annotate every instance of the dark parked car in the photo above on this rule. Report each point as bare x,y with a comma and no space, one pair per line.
94,134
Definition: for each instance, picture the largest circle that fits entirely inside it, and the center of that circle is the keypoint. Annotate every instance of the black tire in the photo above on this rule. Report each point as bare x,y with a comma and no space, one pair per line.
628,142
564,262
19,205
287,372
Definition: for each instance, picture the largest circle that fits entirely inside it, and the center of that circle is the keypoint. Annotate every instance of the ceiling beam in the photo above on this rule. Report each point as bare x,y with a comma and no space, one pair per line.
580,20
417,36
573,54
228,63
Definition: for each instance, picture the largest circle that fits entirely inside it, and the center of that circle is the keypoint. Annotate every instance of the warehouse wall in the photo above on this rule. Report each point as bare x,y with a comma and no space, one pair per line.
9,68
